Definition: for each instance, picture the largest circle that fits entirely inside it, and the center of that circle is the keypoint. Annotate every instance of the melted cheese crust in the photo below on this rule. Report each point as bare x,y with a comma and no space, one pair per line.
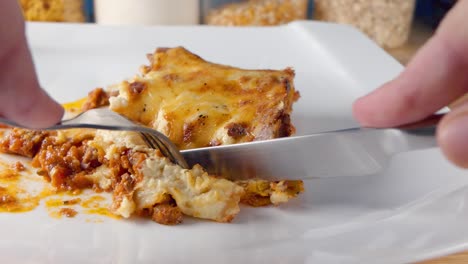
197,103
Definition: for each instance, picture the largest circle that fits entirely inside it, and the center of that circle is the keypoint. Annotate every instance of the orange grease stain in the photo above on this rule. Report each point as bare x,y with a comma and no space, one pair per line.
15,199
94,206
9,176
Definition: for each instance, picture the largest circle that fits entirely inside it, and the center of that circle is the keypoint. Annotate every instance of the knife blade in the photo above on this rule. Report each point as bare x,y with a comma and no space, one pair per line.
349,152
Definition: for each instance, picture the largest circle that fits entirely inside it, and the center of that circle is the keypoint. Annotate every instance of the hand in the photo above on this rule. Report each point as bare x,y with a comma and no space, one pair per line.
21,98
437,75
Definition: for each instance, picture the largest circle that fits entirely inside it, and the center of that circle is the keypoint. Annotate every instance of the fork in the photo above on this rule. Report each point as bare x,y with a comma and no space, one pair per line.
104,118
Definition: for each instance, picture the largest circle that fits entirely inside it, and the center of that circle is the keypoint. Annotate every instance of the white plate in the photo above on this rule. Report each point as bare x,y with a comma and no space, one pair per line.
415,210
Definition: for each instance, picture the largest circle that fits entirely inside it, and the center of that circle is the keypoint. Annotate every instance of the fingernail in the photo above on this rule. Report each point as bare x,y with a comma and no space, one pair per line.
453,137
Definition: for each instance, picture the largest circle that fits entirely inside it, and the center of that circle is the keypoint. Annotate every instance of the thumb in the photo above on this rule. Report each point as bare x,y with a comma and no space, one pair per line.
452,135
21,98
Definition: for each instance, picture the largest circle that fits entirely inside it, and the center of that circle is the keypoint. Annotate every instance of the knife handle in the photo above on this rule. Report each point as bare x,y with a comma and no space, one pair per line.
425,127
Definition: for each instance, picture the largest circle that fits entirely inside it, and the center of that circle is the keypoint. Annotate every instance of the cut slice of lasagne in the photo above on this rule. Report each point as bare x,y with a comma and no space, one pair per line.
196,104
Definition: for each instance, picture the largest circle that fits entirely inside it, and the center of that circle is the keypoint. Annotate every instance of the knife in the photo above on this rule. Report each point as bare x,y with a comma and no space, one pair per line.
349,152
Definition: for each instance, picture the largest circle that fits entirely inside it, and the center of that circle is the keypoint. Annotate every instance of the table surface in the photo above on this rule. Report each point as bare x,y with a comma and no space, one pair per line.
419,35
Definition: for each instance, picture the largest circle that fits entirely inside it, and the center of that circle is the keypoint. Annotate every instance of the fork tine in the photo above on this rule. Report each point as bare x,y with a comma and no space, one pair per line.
162,147
154,142
148,141
166,150
173,152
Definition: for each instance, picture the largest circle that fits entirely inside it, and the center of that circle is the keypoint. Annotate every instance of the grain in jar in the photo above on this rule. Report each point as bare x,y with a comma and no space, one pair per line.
256,12
387,22
53,10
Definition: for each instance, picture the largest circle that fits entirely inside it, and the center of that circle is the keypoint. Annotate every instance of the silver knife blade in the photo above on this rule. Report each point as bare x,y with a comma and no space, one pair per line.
349,152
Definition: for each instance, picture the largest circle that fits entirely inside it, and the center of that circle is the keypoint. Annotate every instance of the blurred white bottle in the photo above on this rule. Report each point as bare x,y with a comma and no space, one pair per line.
147,12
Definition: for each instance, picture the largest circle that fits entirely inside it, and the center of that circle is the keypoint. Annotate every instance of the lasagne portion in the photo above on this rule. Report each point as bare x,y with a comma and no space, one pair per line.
196,104
142,181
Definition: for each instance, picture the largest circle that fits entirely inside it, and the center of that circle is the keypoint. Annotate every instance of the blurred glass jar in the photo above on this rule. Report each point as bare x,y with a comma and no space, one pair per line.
387,22
146,12
53,10
252,12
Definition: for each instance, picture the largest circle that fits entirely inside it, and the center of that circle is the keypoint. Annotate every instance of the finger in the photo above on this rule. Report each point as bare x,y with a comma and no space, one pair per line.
436,76
21,98
460,101
452,136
